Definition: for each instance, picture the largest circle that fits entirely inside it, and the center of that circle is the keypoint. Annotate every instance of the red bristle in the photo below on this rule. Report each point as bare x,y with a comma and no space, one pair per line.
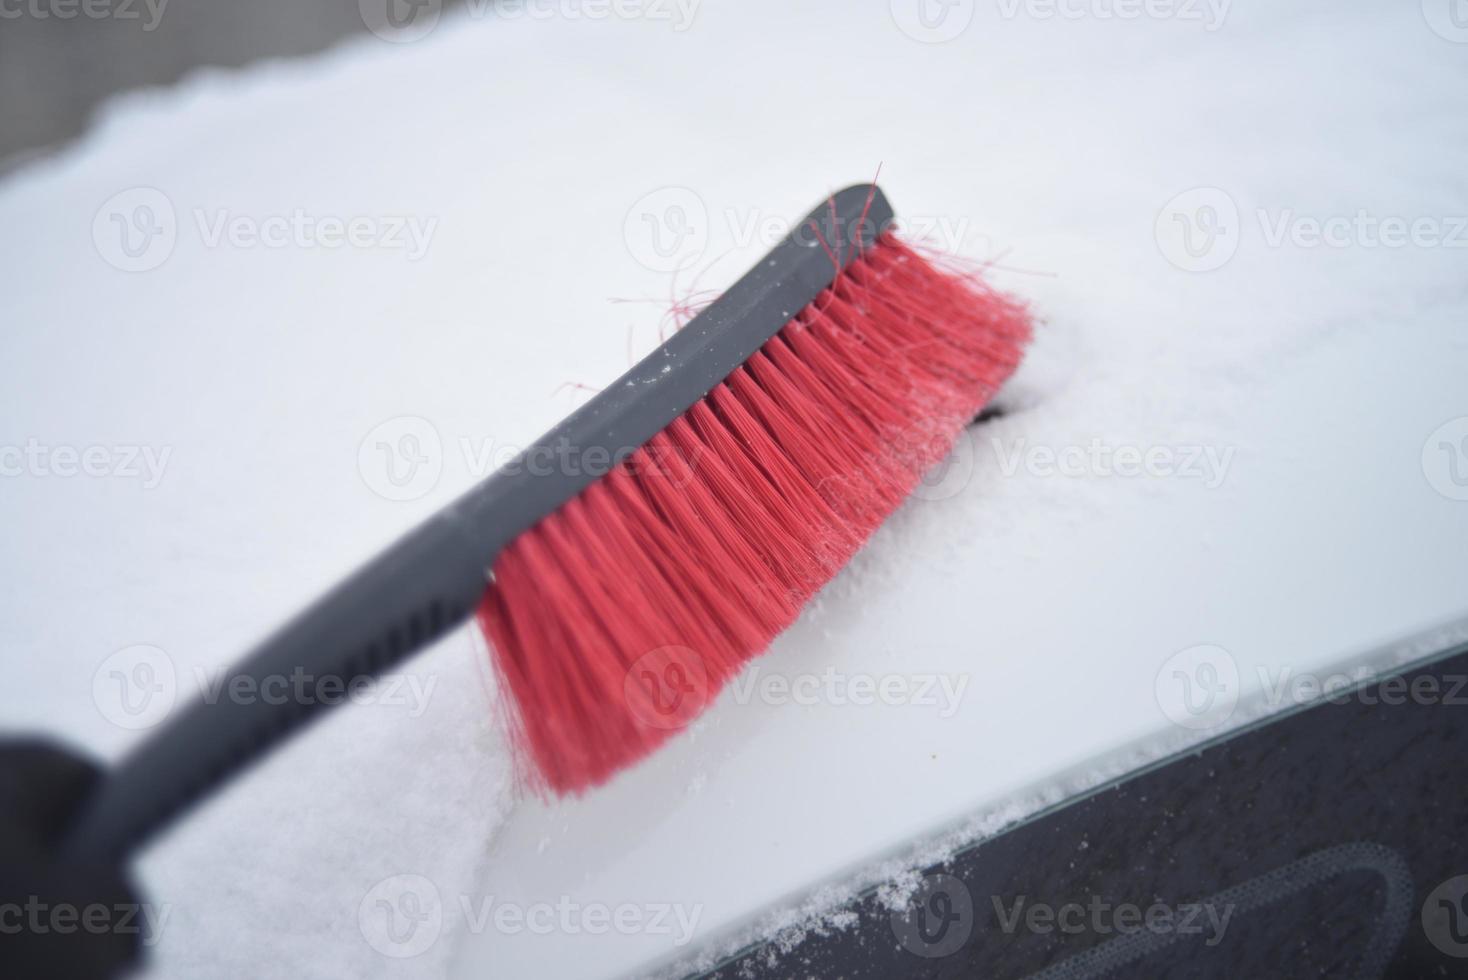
841,480
824,525
616,619
802,522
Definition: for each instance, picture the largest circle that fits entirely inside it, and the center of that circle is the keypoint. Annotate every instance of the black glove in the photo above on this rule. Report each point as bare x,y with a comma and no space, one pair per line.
57,918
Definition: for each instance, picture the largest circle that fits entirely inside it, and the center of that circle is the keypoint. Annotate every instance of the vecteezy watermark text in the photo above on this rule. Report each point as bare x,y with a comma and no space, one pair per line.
38,917
1102,917
299,228
406,21
148,12
304,688
669,687
402,916
34,458
942,692
136,688
671,228
1201,229
137,230
568,917
1209,13
937,21
678,14
1208,464
1199,687
403,458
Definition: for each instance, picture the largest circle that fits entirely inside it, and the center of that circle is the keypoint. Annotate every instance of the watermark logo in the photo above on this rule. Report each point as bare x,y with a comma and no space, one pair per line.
1362,229
946,469
1447,18
1284,687
1445,917
1445,459
938,920
1198,230
1198,688
401,916
135,688
401,459
667,688
668,229
400,21
135,230
932,21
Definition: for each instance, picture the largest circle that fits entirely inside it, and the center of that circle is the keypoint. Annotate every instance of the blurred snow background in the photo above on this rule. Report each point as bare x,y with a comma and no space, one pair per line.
324,296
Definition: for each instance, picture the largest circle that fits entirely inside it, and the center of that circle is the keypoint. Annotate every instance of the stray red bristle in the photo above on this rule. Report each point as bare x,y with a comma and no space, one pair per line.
614,621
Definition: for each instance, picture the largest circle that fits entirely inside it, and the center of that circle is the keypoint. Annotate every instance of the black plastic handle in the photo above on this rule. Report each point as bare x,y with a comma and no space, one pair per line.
431,580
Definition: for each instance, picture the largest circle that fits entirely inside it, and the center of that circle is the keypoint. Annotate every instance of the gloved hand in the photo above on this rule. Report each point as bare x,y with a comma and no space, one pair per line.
57,918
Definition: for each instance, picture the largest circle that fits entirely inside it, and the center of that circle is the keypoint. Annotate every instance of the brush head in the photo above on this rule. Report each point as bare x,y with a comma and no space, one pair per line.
642,550
645,548
795,430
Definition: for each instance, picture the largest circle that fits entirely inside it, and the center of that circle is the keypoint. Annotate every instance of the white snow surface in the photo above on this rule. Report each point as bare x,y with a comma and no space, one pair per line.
530,154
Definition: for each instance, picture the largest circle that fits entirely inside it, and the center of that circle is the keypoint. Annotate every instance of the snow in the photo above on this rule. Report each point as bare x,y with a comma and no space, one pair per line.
506,169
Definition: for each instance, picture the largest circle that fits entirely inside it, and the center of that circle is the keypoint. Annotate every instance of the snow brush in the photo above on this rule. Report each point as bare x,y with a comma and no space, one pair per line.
630,562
